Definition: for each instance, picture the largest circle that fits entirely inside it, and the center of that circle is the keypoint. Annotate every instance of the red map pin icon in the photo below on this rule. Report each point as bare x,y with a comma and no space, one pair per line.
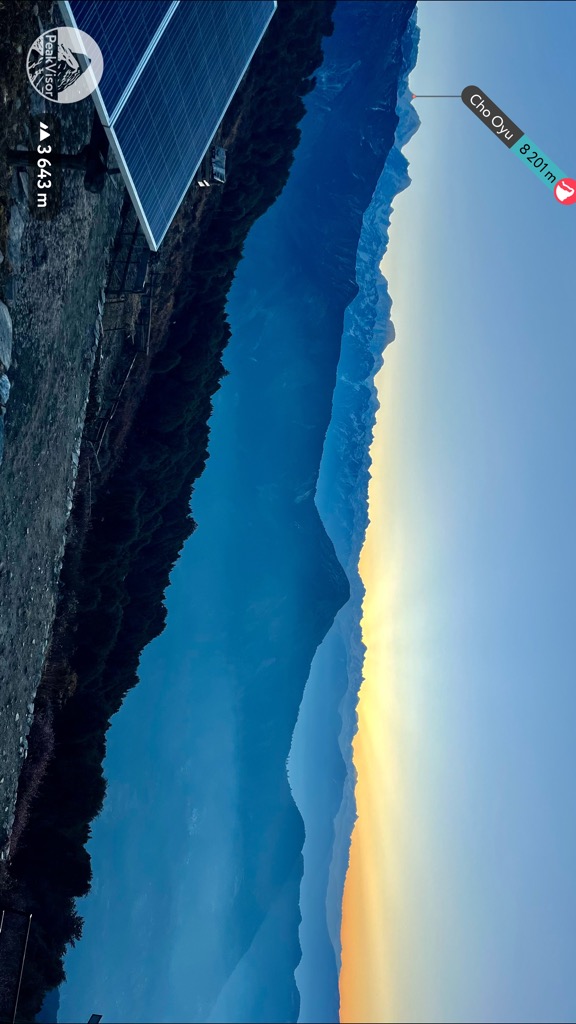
565,191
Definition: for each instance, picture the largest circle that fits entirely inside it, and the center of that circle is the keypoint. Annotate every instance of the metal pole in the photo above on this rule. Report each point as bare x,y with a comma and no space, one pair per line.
21,970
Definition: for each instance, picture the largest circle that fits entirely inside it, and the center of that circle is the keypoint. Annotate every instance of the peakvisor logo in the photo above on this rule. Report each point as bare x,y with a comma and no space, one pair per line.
64,65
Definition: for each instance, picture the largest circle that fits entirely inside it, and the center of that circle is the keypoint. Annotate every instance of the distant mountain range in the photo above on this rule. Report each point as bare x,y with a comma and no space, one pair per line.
284,410
328,721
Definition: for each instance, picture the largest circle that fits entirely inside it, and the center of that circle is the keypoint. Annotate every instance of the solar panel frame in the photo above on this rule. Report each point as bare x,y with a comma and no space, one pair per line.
145,67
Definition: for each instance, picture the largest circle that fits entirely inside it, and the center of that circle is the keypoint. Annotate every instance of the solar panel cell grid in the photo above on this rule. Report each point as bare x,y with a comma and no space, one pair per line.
179,100
123,30
162,126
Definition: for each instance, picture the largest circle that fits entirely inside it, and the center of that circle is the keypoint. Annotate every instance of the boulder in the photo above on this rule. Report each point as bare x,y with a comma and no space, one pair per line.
4,389
5,336
15,232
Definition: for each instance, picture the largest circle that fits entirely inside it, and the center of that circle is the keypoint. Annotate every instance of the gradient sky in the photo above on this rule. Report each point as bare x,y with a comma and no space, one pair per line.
460,901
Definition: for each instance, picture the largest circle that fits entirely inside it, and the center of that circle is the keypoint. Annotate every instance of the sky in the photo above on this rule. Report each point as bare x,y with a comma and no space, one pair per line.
460,901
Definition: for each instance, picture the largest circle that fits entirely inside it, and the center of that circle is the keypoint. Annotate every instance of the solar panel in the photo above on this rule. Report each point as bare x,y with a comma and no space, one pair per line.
123,40
171,68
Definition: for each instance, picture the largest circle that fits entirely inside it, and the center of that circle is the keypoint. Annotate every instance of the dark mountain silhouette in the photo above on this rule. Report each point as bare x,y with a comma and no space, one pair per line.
288,314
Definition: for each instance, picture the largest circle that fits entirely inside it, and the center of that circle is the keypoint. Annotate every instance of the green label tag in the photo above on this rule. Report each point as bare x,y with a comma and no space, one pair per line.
548,172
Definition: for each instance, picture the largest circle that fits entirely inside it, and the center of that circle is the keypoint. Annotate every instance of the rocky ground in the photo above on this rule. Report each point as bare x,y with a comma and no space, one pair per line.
53,272
63,325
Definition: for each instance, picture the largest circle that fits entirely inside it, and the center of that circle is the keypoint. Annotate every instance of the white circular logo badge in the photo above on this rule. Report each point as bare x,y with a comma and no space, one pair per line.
64,65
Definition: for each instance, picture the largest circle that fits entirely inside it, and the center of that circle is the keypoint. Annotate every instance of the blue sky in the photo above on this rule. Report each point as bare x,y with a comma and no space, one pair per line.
473,503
